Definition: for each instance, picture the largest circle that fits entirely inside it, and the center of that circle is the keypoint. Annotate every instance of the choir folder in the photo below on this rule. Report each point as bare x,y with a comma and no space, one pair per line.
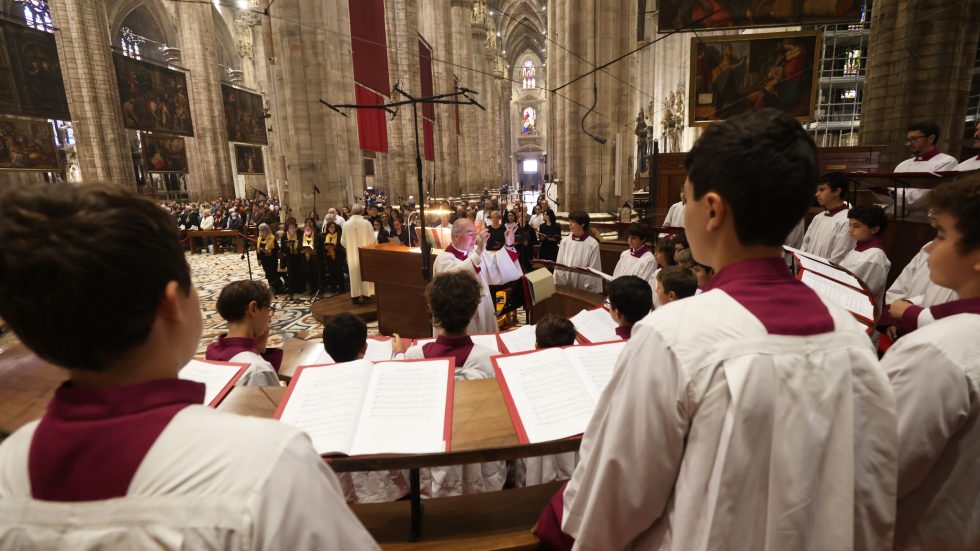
218,378
360,408
551,393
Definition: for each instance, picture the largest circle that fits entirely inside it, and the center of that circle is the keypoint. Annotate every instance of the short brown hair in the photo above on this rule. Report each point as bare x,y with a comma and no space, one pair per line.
553,330
453,298
681,281
344,335
961,200
236,296
98,252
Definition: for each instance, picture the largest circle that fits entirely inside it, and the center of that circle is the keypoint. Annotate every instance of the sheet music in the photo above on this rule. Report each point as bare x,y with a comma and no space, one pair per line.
551,399
804,254
315,356
843,296
486,341
598,362
595,325
326,403
600,273
378,350
215,376
521,339
829,271
405,409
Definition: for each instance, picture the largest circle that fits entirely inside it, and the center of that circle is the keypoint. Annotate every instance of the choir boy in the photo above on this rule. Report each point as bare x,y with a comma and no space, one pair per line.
675,216
935,373
827,236
751,416
345,337
922,139
552,331
579,250
637,260
703,274
973,163
674,283
126,456
911,294
453,298
247,307
868,260
684,259
630,299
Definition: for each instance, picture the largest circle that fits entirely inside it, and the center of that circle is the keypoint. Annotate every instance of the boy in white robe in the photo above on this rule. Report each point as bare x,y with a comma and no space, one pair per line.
675,216
247,307
453,298
935,373
675,283
579,250
126,457
468,253
638,259
909,294
629,302
868,260
827,236
973,163
752,416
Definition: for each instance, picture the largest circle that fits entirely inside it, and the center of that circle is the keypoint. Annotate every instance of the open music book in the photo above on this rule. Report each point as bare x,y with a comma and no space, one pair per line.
360,408
218,377
601,274
552,393
834,284
824,267
595,325
378,348
521,339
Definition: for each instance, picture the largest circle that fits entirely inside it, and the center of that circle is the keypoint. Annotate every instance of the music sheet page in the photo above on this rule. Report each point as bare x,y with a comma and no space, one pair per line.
326,404
551,398
595,325
404,410
843,296
829,271
486,341
214,376
521,339
378,350
597,362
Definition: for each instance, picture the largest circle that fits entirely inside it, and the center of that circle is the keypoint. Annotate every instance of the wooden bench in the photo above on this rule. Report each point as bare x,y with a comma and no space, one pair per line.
227,234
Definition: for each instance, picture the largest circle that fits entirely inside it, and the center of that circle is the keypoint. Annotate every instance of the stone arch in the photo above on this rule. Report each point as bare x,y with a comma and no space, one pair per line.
149,18
225,40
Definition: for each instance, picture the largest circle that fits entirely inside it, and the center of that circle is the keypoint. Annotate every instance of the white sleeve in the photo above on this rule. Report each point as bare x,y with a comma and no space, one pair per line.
932,401
950,163
902,285
259,373
301,505
593,284
561,276
620,488
842,244
500,267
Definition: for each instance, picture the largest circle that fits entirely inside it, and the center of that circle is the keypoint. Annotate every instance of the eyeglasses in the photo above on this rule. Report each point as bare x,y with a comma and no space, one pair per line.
913,139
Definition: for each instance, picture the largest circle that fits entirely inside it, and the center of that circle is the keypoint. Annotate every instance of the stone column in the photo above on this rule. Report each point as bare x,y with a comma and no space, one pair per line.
461,15
435,24
209,161
93,97
482,119
920,66
401,19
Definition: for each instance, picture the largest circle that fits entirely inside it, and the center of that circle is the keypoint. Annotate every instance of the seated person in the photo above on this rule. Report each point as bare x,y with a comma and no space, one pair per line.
684,259
867,260
126,456
674,283
911,293
680,242
453,298
579,250
247,307
629,302
345,337
553,330
637,260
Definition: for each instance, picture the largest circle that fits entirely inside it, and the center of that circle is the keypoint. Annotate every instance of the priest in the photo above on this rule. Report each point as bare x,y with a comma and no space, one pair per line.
358,232
468,252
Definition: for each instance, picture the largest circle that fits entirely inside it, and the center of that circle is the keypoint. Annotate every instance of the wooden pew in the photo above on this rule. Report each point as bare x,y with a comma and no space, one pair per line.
200,234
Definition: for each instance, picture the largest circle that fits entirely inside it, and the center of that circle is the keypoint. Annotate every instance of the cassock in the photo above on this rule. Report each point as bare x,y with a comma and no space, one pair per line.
358,232
142,466
751,416
263,368
973,163
579,253
914,285
674,218
935,373
934,161
870,264
639,263
828,236
795,237
490,268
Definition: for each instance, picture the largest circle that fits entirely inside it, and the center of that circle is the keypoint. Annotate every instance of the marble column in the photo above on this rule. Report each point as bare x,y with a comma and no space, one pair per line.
401,18
462,11
435,25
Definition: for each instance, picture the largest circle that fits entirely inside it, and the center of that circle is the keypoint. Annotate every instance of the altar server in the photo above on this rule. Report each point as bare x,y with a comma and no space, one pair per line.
247,307
638,259
675,283
126,457
973,163
579,250
629,302
827,236
358,232
910,293
468,253
752,416
868,260
935,373
553,330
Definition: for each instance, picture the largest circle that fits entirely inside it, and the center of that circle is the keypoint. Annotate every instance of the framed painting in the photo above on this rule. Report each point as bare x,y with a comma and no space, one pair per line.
27,145
31,84
249,160
244,116
164,153
731,75
154,98
693,15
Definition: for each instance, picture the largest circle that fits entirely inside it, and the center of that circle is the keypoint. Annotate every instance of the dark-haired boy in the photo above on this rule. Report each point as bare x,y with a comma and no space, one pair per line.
771,423
126,456
630,299
935,373
827,236
637,260
868,260
675,283
247,307
552,331
345,337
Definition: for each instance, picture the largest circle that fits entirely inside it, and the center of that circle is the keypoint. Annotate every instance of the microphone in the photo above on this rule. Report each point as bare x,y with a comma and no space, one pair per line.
317,190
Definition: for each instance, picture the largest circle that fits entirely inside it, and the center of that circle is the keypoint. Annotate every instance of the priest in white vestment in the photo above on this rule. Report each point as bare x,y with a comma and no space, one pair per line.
468,252
358,232
579,250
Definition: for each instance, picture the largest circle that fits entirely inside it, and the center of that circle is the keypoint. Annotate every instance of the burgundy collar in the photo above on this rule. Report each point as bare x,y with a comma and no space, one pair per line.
835,210
577,238
873,243
961,306
927,156
460,255
977,157
639,252
457,347
624,332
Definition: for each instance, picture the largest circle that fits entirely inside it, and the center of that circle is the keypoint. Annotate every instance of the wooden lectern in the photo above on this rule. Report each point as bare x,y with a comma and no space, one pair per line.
396,271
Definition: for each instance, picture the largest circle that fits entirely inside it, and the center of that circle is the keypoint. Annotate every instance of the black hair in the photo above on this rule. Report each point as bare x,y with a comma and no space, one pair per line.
453,298
871,216
638,230
551,216
764,165
681,281
235,297
632,296
667,247
836,180
553,330
928,128
344,335
581,218
961,200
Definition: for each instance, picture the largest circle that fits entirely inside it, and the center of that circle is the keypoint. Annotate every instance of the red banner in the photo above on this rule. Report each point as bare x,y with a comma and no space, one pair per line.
372,130
369,46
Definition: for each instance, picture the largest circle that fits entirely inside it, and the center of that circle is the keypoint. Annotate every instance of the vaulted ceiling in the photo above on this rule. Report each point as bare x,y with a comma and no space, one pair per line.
522,25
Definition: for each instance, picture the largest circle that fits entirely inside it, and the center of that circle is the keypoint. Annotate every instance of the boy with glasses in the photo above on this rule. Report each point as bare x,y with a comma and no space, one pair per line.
247,307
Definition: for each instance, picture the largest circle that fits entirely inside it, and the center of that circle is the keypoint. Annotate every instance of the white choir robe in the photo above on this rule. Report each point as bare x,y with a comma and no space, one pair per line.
935,373
211,480
712,435
639,263
828,236
579,254
795,237
358,232
674,218
913,197
915,286
870,264
973,163
490,268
